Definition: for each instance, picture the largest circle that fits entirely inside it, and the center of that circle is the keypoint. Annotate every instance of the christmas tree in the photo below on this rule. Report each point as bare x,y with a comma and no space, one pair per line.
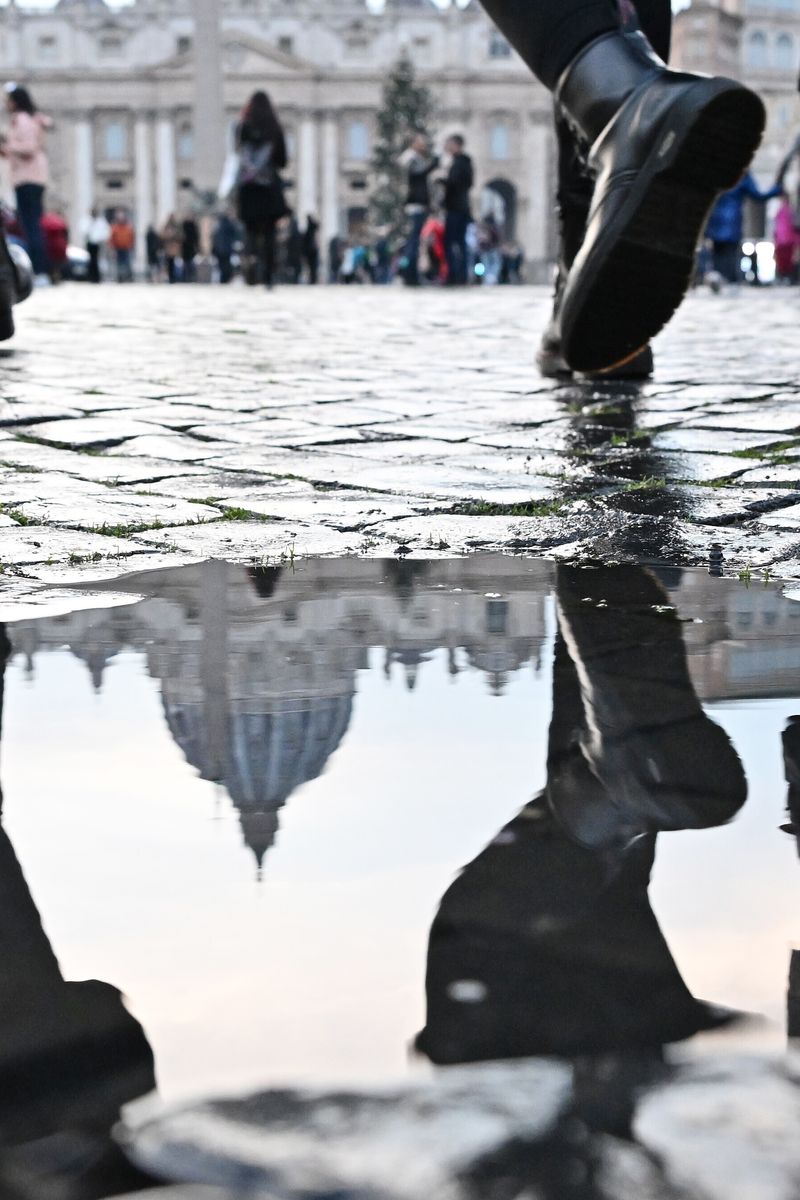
407,108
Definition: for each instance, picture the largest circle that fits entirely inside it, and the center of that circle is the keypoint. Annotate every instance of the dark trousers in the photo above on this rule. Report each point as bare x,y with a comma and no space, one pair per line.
225,268
548,34
94,262
727,259
124,269
312,262
455,247
260,242
30,209
411,252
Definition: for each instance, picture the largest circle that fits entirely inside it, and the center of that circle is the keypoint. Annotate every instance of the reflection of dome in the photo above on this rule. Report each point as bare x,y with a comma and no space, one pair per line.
264,756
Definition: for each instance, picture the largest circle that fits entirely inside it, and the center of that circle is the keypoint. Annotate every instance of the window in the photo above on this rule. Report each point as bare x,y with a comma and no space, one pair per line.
47,47
115,141
756,50
785,58
499,143
185,142
184,44
498,46
286,45
358,141
110,46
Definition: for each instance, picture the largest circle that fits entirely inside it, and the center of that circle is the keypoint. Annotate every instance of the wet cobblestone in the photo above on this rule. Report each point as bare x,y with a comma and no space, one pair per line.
141,424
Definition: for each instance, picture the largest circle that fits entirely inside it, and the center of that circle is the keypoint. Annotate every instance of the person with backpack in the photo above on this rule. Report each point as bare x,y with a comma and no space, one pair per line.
261,147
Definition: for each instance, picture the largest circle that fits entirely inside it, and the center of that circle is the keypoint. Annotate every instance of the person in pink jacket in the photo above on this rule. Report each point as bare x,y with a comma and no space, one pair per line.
23,146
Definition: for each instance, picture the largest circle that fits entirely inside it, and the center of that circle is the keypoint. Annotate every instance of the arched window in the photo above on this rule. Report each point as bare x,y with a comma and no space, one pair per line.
115,141
185,144
756,50
785,58
499,142
358,141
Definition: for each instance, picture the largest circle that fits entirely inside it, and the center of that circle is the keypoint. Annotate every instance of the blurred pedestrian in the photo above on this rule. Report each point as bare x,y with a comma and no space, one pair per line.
95,231
223,244
726,223
489,247
458,214
190,248
382,257
336,247
55,232
172,241
433,245
261,146
123,240
787,242
23,146
154,248
311,247
418,162
294,250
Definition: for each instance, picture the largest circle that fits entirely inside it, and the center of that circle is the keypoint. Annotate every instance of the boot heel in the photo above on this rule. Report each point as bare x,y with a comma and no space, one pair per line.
721,142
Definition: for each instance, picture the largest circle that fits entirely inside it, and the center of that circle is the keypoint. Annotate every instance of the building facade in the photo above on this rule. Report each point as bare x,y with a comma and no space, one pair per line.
125,87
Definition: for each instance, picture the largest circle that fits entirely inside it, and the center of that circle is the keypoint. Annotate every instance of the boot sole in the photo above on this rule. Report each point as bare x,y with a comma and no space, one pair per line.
642,265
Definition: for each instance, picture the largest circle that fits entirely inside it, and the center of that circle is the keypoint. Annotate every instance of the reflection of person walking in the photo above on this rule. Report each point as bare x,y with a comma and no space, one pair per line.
663,146
262,155
457,187
23,146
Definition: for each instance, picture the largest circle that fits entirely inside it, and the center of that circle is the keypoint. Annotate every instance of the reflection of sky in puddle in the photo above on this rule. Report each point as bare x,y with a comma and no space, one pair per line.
317,972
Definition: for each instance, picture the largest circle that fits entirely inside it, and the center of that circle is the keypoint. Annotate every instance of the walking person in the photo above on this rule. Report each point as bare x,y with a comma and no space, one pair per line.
223,244
171,240
662,144
190,248
458,214
123,239
23,146
261,146
787,242
154,249
96,231
726,225
419,163
311,247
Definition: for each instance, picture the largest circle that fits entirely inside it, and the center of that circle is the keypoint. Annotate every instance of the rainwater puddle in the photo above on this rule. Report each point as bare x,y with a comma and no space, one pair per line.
348,823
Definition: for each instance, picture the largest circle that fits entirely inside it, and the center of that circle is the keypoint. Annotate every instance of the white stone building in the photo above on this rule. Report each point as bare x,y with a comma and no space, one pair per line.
121,84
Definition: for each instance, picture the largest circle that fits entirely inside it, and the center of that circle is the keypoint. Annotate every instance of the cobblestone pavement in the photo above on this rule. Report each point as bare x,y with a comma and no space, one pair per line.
143,425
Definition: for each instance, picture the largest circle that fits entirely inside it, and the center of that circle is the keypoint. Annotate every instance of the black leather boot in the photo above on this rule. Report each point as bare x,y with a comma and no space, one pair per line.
8,291
573,201
663,146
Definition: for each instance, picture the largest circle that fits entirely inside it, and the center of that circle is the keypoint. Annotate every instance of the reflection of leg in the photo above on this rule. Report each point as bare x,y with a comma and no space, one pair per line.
664,763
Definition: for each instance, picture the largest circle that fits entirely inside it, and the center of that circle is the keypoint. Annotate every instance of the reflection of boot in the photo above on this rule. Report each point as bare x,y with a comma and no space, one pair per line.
542,946
573,202
664,145
643,737
8,291
791,762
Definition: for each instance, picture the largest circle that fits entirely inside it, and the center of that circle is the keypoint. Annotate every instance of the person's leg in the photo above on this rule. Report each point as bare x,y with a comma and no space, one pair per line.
94,262
30,207
411,252
269,253
663,145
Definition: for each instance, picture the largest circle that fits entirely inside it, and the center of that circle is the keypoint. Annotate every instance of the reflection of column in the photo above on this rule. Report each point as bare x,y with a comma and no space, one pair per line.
143,186
535,237
83,197
330,180
165,163
307,201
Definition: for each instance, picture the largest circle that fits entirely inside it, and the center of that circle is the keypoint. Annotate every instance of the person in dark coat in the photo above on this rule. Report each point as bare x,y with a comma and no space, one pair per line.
155,248
223,244
458,214
294,250
311,248
418,163
190,246
261,145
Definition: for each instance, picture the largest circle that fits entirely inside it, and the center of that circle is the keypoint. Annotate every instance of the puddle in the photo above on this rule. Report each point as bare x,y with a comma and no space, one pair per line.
343,824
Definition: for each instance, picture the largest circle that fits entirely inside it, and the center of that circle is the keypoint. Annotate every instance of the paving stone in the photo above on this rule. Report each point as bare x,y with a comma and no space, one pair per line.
22,413
90,431
696,439
243,541
61,500
340,510
21,546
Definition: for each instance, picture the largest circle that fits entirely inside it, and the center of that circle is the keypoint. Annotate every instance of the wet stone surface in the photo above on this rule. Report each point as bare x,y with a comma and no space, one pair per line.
464,878
120,421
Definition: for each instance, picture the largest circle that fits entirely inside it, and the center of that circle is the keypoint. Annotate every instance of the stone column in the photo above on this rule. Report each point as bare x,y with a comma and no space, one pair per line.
329,216
209,112
167,192
83,186
307,153
534,230
143,176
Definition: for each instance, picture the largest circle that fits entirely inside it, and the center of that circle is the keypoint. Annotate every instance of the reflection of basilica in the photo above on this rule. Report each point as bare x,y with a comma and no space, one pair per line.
258,669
